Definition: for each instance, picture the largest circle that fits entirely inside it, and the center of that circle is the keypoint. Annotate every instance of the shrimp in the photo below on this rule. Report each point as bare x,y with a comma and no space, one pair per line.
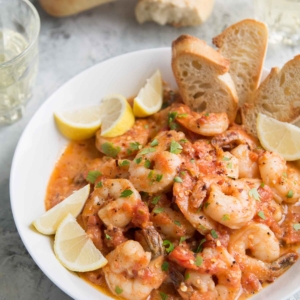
129,272
218,276
127,144
230,203
248,166
207,124
171,224
284,179
189,195
154,168
265,262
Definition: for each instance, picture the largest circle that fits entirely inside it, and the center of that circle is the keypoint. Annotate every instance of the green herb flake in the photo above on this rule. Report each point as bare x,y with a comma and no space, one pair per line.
163,296
207,115
182,115
290,194
147,164
159,177
110,150
183,141
173,126
138,160
177,179
199,261
224,158
154,143
261,215
150,175
284,175
254,194
182,239
206,204
296,226
135,146
99,184
175,147
214,234
92,176
158,210
124,163
108,237
262,185
146,126
155,199
229,165
225,217
172,115
118,290
187,276
165,266
147,151
192,160
200,246
168,246
177,223
126,193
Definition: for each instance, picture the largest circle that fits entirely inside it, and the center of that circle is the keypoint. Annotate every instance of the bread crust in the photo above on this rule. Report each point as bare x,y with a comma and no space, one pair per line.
63,8
217,93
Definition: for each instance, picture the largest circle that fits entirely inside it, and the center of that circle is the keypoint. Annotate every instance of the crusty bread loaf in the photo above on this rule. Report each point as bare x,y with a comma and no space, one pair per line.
63,8
202,77
278,96
244,44
175,12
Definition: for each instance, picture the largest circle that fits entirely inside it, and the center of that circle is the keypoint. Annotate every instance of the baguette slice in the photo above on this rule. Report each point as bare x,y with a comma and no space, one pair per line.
63,8
278,96
202,77
175,12
244,44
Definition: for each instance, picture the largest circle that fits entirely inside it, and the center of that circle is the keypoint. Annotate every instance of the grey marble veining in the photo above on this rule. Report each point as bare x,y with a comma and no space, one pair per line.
67,47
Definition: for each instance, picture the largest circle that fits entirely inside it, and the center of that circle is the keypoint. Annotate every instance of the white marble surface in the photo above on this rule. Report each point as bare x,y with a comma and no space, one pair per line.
68,46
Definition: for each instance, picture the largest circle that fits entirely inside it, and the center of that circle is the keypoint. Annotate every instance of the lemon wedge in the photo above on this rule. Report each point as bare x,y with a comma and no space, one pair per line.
280,137
49,221
117,116
74,249
150,97
79,124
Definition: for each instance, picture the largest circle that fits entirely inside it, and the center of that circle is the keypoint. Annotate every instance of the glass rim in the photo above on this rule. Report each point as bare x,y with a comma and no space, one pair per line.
34,39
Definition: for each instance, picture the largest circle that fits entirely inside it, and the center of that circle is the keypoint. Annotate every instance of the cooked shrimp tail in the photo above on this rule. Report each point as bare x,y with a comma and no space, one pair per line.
281,264
154,241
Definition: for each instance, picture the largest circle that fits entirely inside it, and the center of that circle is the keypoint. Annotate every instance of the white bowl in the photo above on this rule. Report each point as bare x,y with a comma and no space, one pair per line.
41,146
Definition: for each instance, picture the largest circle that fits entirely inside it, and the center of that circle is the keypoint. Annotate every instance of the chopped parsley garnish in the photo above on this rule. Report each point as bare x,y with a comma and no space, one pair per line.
262,185
155,199
99,184
150,175
118,290
177,179
177,223
225,217
284,175
168,246
175,147
192,160
154,143
214,234
171,119
296,226
110,150
187,276
261,215
165,266
124,163
108,237
182,115
159,177
147,150
135,146
200,246
199,261
206,204
229,165
163,296
92,176
182,239
254,194
147,164
158,210
138,160
183,141
126,193
224,158
290,194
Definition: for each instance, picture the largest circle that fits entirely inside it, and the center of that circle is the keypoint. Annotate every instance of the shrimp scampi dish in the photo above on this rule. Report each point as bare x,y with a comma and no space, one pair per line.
184,205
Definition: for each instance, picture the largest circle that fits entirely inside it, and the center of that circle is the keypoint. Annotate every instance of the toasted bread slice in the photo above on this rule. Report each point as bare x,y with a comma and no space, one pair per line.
175,12
278,96
244,44
202,77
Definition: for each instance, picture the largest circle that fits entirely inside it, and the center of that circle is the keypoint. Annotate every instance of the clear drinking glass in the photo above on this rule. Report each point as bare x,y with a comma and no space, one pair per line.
282,18
19,30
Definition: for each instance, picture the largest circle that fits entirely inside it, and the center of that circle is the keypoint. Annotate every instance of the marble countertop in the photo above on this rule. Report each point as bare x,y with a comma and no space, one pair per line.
67,47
